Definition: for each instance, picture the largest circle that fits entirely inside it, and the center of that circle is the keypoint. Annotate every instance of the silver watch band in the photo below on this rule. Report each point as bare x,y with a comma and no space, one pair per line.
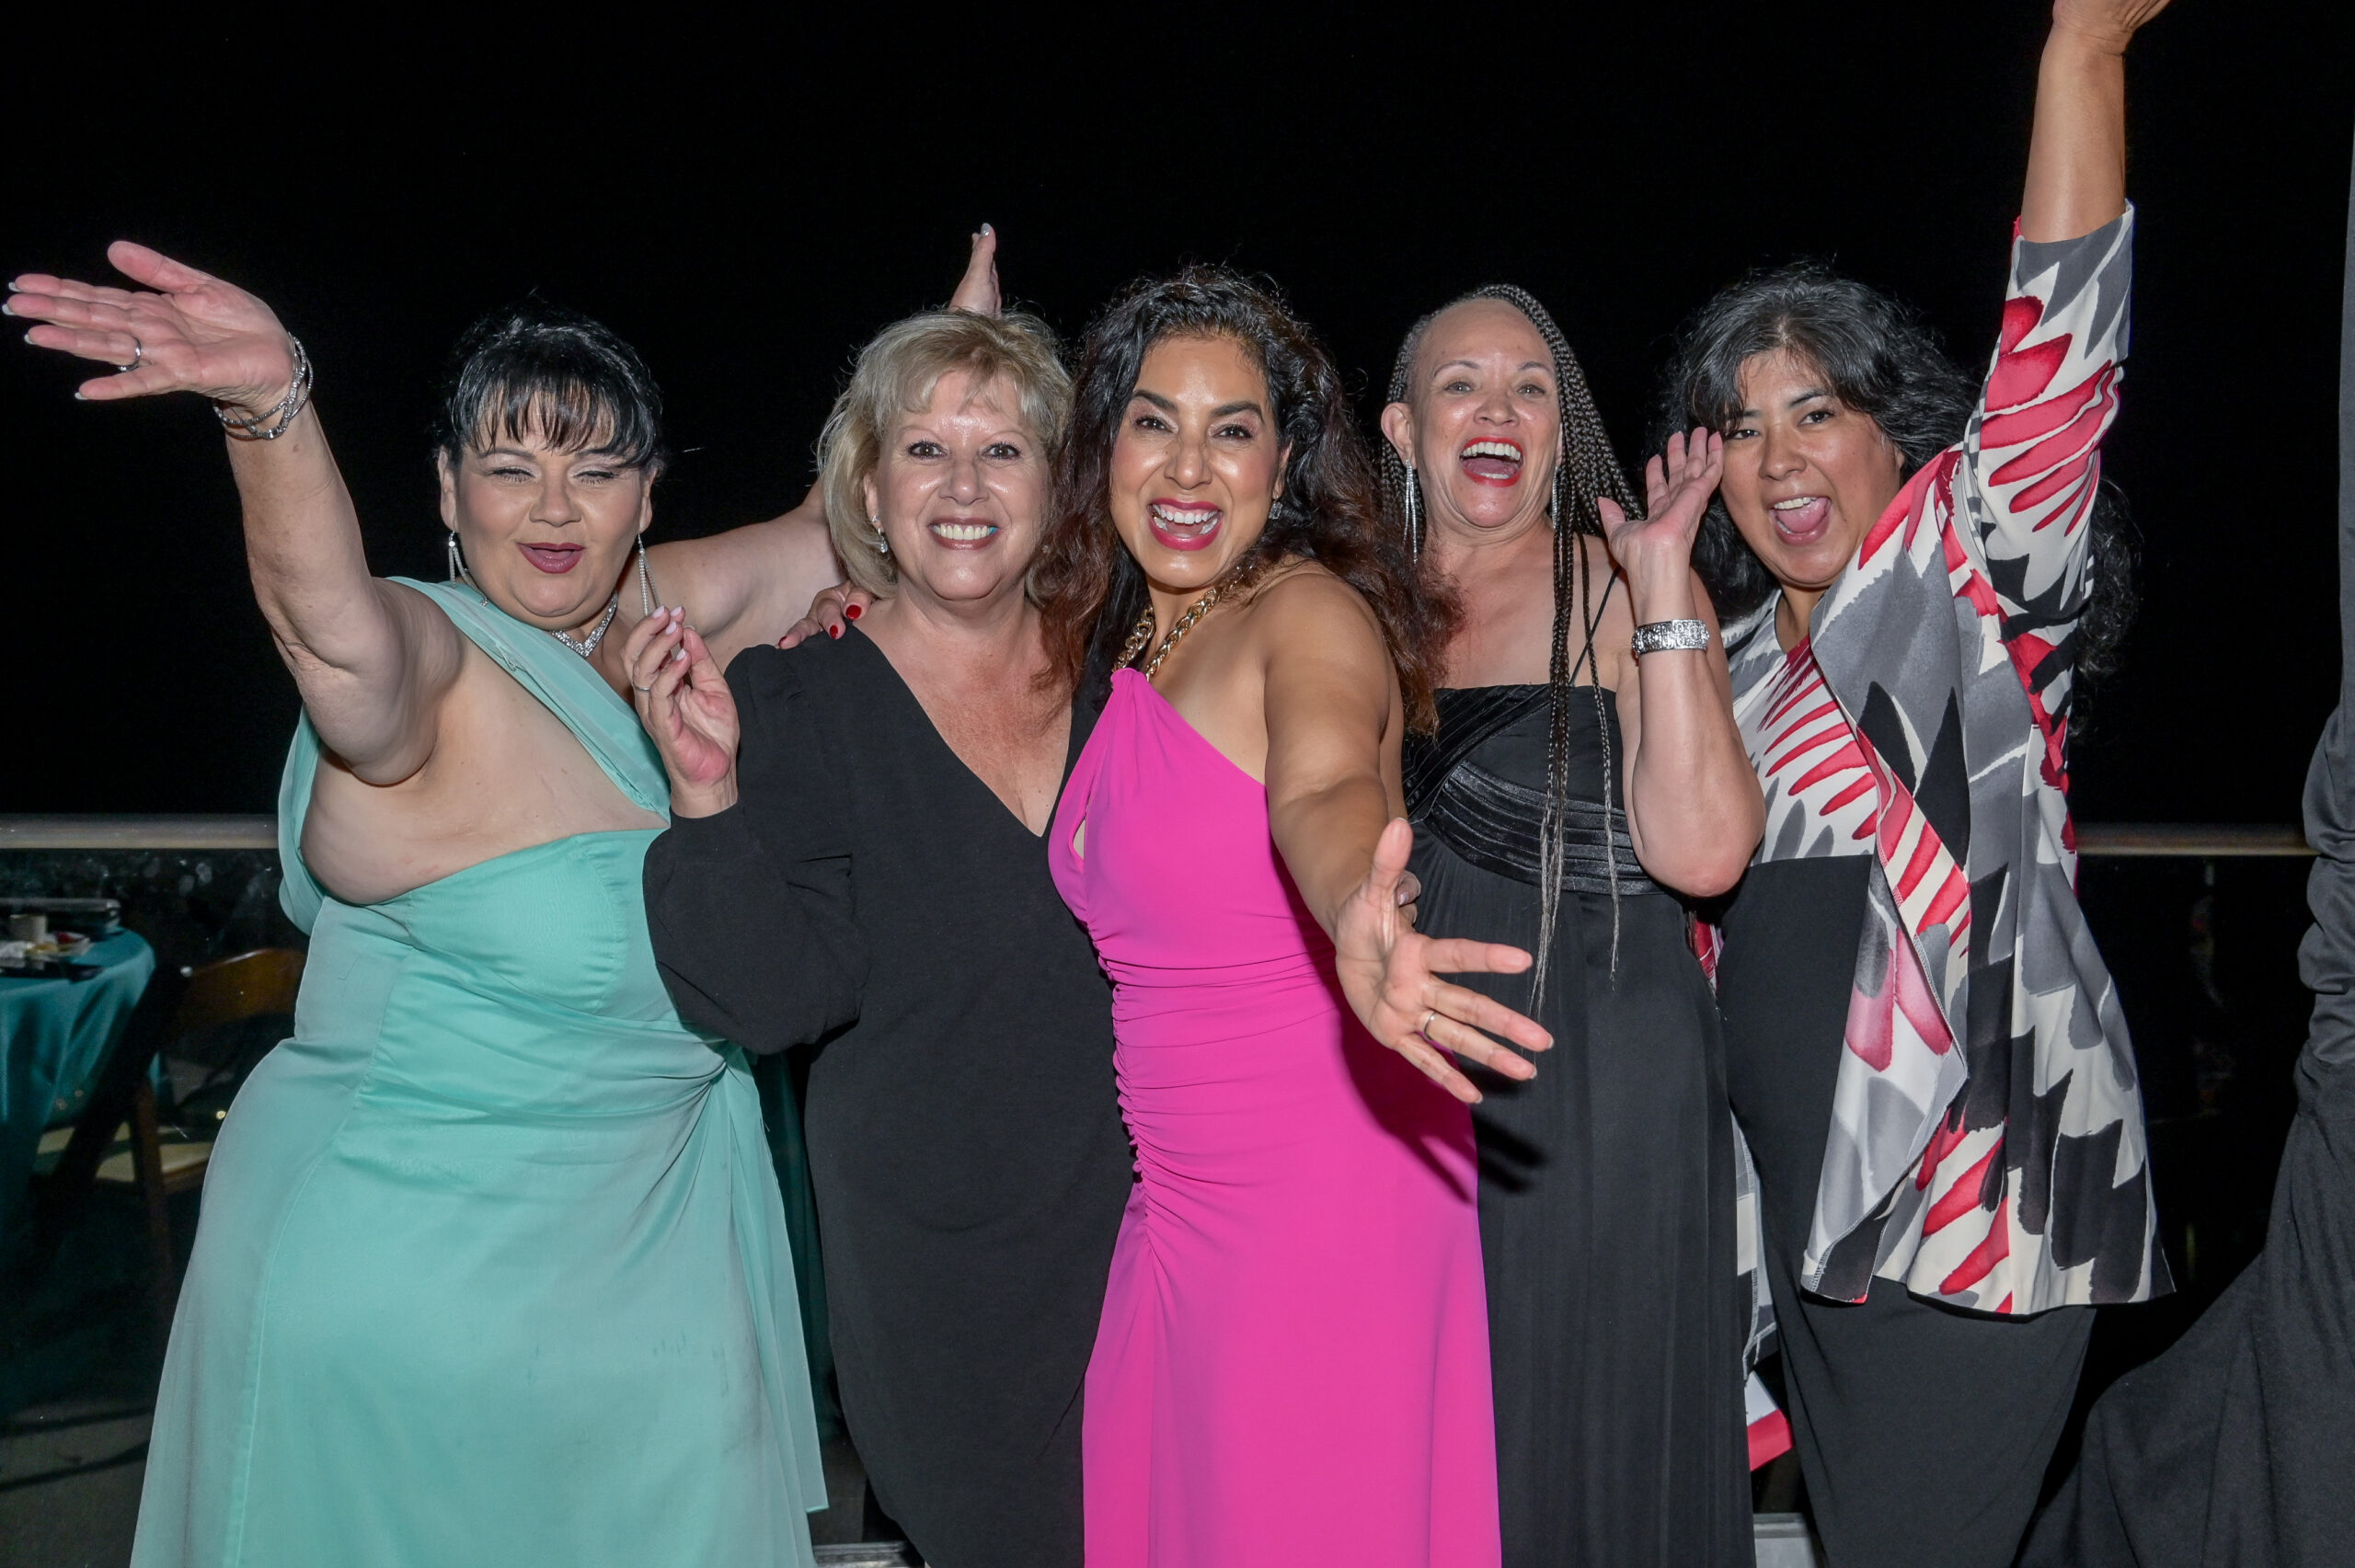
1669,637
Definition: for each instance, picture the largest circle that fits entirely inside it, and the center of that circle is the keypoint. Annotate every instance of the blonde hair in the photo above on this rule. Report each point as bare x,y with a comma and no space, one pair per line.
895,375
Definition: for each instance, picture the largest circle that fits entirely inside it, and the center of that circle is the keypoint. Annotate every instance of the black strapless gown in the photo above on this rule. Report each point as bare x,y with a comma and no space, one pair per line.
1608,1182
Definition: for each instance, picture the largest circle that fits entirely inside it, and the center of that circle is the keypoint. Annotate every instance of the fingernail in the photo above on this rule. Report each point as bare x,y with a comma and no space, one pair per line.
850,613
833,631
987,230
7,309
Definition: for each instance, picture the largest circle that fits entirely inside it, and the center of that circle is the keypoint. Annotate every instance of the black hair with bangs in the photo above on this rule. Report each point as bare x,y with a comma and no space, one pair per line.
534,371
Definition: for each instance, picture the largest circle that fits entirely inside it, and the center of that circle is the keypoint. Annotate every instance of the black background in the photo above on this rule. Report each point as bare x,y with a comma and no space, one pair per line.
747,204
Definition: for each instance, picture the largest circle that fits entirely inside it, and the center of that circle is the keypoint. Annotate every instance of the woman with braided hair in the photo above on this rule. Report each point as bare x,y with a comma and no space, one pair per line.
1568,794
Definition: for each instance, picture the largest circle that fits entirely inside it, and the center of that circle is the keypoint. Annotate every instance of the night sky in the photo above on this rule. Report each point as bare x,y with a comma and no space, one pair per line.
748,205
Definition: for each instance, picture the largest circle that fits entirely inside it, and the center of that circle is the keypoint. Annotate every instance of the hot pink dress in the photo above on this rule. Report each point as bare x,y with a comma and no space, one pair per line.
1292,1365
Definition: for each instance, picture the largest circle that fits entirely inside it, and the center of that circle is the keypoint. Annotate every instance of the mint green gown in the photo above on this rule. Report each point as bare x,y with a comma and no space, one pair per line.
492,1268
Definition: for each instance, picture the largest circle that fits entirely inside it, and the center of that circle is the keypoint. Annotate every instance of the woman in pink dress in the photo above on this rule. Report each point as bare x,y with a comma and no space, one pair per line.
1292,1365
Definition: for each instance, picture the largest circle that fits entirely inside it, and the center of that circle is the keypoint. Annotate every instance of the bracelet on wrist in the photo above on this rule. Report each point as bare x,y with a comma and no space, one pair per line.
1669,637
288,407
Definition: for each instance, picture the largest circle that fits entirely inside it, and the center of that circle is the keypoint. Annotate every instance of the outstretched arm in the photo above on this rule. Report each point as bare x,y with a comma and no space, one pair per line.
1330,701
371,660
2076,156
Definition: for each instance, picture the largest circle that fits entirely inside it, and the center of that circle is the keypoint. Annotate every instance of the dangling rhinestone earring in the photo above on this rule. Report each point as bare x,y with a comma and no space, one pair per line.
644,581
459,572
1414,518
882,545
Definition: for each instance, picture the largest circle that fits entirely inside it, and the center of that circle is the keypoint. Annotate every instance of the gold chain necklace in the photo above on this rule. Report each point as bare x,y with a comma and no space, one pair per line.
1237,577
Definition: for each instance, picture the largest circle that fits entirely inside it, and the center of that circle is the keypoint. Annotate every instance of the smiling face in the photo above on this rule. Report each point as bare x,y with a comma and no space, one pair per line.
1198,464
546,533
1481,425
960,491
1805,474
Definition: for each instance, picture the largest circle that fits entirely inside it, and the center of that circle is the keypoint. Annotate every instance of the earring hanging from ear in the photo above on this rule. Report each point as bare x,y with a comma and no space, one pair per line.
882,545
459,572
1414,517
644,581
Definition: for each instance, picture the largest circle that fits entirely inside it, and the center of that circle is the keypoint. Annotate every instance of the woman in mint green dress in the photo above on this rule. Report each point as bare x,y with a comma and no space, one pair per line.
492,1269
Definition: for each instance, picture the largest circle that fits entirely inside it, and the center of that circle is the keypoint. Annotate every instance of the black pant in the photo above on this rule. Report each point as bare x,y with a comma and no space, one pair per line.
1924,1431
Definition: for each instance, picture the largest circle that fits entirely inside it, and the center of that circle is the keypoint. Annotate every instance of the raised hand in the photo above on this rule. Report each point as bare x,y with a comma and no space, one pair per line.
1389,974
684,702
977,291
834,609
184,331
1677,487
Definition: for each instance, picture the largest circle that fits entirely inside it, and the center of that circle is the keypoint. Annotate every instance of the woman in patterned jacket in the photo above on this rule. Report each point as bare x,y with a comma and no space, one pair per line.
1923,1048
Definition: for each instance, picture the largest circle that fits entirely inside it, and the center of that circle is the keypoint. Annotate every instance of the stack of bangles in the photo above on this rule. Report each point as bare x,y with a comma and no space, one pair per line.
288,407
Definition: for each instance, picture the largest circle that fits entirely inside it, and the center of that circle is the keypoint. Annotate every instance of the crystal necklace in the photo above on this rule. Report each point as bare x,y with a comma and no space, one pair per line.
1240,575
587,646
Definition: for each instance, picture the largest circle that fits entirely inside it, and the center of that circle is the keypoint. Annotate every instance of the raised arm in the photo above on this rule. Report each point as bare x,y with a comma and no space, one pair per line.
1693,806
2076,156
750,586
1332,713
370,658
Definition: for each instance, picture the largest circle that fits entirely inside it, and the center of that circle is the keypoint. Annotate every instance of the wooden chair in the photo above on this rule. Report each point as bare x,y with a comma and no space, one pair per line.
119,1142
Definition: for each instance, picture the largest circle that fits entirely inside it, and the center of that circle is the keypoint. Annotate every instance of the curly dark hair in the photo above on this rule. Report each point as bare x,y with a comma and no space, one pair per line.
1091,590
1880,358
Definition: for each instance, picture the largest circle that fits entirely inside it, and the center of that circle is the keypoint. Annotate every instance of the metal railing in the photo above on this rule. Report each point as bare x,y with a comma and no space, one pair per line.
2182,840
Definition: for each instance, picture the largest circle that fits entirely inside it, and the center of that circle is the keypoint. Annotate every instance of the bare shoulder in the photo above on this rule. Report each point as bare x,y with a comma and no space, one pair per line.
1304,605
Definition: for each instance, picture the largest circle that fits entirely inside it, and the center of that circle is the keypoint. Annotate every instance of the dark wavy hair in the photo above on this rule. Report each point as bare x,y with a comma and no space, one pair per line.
533,369
1880,358
1091,590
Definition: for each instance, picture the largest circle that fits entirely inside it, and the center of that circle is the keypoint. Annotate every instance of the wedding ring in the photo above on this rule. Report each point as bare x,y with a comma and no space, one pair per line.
1424,1028
138,352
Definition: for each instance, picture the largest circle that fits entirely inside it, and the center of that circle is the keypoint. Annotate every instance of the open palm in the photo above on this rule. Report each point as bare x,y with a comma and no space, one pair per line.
1677,487
186,330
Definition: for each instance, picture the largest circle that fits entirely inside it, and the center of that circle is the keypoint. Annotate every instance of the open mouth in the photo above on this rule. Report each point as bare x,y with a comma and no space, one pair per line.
963,533
1184,526
1491,462
554,559
1802,519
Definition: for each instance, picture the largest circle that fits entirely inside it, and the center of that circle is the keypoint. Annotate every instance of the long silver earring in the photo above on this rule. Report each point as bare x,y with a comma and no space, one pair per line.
882,545
644,581
1414,518
459,572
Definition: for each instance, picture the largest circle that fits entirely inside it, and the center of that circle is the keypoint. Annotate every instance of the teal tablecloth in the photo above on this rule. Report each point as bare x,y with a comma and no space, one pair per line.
54,1036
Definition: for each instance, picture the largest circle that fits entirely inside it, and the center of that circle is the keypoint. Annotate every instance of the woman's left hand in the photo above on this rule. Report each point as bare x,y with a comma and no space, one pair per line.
1677,487
1390,974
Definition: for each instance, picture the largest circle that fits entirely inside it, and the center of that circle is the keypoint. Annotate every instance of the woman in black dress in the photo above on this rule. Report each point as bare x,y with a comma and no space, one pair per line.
866,874
1606,1182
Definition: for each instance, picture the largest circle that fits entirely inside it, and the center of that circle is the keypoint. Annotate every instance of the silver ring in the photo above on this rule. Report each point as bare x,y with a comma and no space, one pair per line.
1424,1028
138,353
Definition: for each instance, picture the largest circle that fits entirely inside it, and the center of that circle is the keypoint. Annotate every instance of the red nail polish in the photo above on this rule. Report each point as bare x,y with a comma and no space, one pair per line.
850,613
833,631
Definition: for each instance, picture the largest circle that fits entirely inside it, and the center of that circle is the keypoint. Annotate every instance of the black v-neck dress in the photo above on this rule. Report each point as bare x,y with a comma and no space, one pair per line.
870,897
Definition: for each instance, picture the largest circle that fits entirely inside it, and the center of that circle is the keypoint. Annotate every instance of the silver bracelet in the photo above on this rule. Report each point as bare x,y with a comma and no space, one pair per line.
288,407
1669,637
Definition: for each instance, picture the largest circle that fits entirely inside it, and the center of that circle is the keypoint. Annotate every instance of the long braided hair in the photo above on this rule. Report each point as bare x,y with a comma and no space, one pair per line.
1585,468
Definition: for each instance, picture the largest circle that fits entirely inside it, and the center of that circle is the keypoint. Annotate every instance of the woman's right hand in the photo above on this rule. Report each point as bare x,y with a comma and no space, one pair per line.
685,704
977,291
186,331
834,609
